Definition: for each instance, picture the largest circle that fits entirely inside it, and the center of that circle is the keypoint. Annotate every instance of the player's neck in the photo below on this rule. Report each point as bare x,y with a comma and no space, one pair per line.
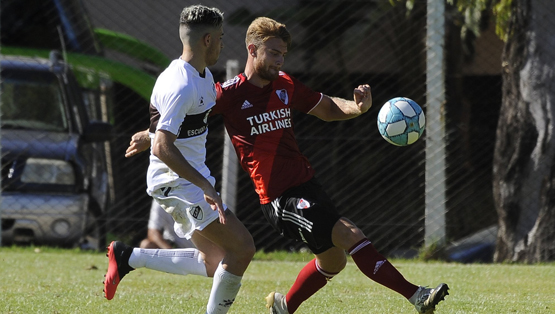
254,78
198,63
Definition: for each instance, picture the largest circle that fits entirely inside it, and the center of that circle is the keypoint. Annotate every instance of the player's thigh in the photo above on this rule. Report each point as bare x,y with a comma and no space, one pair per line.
233,237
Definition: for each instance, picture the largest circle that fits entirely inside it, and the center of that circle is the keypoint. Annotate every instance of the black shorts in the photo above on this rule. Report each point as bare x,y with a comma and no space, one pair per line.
304,213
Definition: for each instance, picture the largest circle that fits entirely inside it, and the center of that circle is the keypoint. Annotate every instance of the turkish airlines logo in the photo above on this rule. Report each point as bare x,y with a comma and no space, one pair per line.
270,121
282,94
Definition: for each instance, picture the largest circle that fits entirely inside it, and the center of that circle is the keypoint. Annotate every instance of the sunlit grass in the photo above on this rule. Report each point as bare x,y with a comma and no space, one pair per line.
46,280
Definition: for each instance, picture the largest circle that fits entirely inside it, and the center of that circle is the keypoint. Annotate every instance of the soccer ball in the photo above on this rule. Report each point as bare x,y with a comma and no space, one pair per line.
401,121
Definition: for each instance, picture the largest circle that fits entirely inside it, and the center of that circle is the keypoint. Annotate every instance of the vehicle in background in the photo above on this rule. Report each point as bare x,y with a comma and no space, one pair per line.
55,182
111,90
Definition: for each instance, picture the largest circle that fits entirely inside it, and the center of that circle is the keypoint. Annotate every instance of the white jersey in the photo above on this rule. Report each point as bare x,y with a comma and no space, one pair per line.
180,103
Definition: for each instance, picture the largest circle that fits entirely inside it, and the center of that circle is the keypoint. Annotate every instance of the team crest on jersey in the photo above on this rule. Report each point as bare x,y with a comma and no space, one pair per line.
282,94
201,101
196,212
303,204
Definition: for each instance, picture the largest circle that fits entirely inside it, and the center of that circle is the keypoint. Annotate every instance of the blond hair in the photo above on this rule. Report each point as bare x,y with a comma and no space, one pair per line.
264,28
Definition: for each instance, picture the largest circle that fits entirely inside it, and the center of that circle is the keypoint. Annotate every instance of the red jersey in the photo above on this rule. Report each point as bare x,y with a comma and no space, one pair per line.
260,125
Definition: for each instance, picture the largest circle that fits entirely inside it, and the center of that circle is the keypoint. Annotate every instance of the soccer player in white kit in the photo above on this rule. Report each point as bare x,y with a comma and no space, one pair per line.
178,178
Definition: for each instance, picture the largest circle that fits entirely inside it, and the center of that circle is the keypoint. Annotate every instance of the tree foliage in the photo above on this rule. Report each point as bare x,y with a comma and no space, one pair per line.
474,9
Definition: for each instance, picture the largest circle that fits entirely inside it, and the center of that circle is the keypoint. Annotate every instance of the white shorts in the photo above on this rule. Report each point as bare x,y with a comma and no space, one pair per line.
162,221
186,204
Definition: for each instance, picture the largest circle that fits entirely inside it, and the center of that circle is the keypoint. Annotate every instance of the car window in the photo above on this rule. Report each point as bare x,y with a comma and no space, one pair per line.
33,102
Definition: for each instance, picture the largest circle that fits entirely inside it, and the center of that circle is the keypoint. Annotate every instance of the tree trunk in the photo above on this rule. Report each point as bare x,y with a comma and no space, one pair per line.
524,172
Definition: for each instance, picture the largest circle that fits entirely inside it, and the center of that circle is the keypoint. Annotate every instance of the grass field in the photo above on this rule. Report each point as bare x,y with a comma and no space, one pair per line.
46,280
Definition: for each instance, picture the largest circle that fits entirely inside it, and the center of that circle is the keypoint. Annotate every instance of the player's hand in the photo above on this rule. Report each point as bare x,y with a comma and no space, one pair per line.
140,142
363,97
214,199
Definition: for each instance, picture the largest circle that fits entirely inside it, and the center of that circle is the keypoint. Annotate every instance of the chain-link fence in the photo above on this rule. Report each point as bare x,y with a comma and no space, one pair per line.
337,45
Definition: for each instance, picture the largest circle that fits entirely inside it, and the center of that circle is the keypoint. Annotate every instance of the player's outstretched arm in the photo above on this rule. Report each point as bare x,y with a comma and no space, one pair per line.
140,142
335,108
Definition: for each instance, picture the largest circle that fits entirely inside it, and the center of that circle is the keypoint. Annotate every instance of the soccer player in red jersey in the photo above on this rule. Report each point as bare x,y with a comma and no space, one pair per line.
256,106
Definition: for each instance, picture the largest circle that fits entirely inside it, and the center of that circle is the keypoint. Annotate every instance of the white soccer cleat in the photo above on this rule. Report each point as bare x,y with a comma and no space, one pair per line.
275,301
428,298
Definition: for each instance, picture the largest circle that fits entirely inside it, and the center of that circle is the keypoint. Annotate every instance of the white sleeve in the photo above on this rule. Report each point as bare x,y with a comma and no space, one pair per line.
174,106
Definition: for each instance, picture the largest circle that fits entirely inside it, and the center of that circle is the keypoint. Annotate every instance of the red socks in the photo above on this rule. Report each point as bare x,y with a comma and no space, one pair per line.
310,279
376,267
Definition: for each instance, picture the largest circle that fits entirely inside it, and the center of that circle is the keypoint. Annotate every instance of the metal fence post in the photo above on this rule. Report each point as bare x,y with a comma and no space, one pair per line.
435,129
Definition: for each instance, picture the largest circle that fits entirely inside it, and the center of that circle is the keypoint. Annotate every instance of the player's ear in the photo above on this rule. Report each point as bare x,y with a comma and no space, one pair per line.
206,39
252,50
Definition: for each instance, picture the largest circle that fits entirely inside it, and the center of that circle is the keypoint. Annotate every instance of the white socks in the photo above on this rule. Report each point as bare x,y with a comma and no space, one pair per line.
225,285
224,290
175,261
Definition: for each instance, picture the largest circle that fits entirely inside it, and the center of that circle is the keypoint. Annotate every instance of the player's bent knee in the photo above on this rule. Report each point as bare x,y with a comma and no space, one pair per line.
333,266
245,249
345,234
333,260
342,264
241,246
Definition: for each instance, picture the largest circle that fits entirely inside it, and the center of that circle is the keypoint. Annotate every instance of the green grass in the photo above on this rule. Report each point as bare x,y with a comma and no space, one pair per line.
46,280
